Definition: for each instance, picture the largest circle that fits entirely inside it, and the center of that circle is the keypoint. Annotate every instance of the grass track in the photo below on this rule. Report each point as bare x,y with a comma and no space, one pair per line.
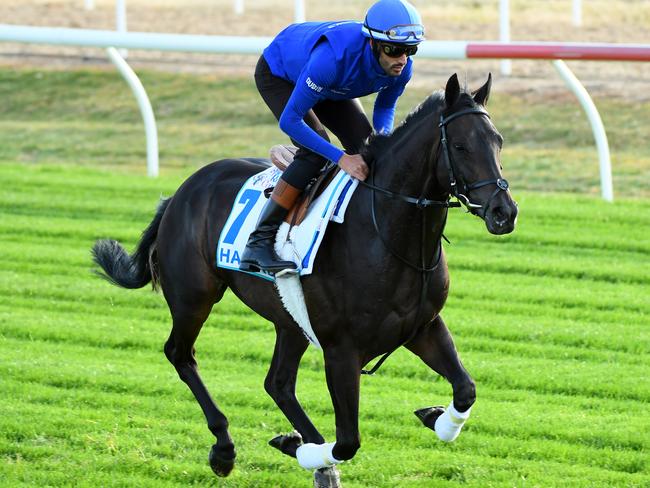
552,321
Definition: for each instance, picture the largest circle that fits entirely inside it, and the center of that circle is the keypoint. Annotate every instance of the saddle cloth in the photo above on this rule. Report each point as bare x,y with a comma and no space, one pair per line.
299,243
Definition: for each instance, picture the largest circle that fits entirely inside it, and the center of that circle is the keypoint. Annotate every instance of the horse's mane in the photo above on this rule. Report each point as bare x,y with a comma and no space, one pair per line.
434,103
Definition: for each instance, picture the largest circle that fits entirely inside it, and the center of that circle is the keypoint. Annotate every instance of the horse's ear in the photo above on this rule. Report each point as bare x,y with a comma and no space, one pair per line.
482,94
452,90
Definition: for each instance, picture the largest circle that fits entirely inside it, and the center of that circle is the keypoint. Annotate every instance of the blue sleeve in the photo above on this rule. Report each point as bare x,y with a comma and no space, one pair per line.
319,73
383,113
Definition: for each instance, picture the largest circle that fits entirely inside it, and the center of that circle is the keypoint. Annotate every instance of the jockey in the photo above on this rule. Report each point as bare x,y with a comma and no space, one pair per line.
310,76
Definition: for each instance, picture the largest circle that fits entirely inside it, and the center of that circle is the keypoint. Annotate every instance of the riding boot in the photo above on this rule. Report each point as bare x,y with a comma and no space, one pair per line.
260,254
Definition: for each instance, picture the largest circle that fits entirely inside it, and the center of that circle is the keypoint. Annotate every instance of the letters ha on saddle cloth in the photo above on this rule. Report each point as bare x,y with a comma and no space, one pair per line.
298,238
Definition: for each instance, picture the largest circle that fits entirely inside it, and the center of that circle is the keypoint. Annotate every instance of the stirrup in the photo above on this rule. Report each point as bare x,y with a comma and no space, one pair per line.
287,272
256,268
251,267
275,266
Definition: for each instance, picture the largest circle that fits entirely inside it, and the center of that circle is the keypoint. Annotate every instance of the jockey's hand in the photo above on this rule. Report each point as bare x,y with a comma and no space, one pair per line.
354,165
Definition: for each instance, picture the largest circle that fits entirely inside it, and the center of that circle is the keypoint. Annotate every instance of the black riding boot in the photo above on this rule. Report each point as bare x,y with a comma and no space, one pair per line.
260,251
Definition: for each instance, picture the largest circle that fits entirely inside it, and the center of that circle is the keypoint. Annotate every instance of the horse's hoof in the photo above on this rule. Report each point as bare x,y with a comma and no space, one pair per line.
429,415
327,478
287,443
221,466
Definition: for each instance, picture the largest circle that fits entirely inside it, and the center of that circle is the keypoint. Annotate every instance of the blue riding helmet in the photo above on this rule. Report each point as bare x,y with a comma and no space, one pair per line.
394,21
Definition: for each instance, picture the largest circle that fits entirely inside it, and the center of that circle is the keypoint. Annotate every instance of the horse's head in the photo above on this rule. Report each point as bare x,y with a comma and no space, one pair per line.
469,163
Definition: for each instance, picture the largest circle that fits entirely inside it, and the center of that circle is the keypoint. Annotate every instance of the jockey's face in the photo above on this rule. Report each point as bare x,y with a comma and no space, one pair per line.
392,65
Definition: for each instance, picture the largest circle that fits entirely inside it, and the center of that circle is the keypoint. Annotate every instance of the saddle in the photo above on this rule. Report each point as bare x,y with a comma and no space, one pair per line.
282,156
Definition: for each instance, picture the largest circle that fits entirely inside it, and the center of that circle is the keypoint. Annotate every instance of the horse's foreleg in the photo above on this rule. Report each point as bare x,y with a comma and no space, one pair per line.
434,345
342,369
179,350
280,384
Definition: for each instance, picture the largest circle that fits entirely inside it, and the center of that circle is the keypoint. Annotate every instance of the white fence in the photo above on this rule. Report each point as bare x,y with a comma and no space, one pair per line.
255,45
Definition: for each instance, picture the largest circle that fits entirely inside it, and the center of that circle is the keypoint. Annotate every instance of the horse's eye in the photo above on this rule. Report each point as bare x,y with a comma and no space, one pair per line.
459,147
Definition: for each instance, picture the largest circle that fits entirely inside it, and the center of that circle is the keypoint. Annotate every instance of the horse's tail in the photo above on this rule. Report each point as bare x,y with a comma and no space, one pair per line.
138,269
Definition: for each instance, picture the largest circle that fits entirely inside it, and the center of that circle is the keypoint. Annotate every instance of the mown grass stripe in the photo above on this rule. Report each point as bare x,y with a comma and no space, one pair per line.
519,289
108,333
132,399
569,377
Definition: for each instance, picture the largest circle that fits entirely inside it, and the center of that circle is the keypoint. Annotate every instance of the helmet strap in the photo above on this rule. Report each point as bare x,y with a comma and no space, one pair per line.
375,49
373,42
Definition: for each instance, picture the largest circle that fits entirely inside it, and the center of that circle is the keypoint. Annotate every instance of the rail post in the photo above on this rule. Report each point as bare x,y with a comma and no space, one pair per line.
299,11
145,109
504,33
597,127
577,13
120,22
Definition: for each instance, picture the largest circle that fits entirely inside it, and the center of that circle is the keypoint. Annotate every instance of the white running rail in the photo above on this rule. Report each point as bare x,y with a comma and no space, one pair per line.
428,49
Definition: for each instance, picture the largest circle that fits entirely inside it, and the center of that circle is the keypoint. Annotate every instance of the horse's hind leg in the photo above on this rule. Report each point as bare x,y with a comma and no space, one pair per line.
280,384
190,308
434,345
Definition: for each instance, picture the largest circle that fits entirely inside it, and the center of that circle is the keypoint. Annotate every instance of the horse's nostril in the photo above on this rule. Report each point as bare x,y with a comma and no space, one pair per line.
499,215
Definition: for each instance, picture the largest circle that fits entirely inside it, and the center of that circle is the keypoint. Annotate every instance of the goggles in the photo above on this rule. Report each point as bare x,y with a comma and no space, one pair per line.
400,33
397,50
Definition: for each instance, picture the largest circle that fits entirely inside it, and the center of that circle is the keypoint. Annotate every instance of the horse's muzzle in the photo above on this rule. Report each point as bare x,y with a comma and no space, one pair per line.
501,216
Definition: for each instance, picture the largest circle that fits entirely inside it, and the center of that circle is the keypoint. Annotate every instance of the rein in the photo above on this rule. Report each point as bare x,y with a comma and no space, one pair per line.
420,203
425,272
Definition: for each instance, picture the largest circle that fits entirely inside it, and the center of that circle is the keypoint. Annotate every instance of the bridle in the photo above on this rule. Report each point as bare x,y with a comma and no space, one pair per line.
458,189
462,196
461,191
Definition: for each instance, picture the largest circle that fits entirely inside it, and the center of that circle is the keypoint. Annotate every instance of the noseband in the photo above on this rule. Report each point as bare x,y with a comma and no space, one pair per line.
462,191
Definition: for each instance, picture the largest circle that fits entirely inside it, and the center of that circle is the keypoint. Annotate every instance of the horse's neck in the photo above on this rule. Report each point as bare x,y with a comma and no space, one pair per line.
408,167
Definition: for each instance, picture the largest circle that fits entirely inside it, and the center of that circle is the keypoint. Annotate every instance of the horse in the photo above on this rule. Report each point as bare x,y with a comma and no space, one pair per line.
380,278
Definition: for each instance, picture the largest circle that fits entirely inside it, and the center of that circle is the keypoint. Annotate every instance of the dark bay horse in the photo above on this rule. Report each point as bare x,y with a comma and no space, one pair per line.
380,278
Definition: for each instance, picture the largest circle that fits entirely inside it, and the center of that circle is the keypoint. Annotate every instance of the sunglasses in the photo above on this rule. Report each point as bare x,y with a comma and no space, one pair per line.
396,50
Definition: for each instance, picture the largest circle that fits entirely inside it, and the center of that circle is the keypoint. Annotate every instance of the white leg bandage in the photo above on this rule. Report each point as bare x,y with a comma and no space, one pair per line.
448,425
316,456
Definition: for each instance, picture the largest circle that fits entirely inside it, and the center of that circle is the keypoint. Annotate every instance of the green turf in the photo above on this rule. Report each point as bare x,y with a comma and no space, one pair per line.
552,321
